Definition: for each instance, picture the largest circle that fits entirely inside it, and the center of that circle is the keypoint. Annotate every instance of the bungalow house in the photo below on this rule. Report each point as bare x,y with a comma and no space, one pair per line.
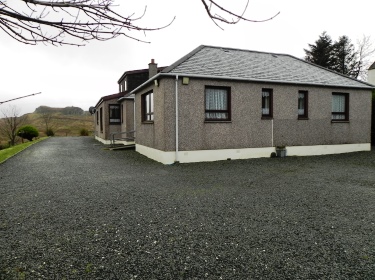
222,103
115,120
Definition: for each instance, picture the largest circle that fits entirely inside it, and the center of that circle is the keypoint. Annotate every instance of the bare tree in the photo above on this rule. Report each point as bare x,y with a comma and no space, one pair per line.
47,119
365,52
75,22
10,123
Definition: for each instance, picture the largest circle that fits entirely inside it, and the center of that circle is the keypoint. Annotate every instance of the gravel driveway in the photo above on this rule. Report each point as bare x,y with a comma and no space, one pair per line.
69,209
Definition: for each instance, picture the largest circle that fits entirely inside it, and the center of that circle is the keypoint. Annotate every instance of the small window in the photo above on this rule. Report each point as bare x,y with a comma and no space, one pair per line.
148,107
122,113
123,86
340,106
101,119
217,104
302,104
114,114
97,117
267,103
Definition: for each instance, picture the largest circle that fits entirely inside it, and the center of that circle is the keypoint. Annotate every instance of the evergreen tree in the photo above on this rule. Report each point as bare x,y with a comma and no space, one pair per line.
320,53
28,132
339,56
345,57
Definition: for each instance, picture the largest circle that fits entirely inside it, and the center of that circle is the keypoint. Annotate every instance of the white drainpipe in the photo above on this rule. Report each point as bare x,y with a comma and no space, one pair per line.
134,128
176,81
272,133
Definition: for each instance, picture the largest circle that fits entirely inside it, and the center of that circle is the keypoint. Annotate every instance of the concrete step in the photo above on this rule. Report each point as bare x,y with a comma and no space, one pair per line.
122,147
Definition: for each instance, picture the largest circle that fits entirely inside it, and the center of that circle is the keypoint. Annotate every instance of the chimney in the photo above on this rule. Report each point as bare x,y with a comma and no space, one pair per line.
152,69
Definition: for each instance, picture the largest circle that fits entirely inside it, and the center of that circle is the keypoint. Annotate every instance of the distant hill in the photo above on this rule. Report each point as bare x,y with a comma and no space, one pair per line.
68,121
74,111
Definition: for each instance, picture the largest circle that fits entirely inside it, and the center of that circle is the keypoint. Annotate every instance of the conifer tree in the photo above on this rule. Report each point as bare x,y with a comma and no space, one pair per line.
345,57
340,56
320,53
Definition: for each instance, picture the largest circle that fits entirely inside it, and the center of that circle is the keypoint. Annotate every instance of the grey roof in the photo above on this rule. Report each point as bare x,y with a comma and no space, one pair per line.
237,64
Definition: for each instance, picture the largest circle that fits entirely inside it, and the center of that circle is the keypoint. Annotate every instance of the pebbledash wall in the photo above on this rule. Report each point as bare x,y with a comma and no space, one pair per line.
127,120
102,133
247,135
371,74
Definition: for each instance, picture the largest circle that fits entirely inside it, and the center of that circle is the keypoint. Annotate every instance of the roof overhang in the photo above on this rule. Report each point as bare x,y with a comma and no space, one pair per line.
366,86
109,97
128,96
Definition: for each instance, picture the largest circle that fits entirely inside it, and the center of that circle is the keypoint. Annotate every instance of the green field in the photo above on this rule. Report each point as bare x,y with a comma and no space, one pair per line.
62,125
9,152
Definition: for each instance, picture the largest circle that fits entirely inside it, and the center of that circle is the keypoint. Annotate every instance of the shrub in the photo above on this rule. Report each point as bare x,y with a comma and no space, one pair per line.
50,132
28,132
84,132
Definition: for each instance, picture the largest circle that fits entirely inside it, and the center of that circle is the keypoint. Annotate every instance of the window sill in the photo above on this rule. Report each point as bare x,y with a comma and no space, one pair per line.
217,121
267,118
303,119
148,122
338,121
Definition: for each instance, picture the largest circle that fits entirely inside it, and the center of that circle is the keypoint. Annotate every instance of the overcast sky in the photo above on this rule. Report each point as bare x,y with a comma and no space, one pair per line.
80,76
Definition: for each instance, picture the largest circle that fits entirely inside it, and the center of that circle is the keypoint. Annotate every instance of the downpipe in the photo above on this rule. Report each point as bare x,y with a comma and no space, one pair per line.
272,133
176,94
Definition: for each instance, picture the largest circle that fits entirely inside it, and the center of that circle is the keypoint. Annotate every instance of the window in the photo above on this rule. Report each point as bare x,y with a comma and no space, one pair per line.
101,119
122,86
267,103
97,117
302,104
148,107
340,106
114,114
122,113
217,104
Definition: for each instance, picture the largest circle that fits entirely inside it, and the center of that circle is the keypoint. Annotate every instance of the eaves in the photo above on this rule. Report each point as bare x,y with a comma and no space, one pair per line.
227,78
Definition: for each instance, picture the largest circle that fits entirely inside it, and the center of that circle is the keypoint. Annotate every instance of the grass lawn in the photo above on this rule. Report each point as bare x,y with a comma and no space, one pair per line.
9,152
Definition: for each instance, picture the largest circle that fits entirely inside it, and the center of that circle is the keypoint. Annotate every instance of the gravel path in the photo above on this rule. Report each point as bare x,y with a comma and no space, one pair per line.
69,209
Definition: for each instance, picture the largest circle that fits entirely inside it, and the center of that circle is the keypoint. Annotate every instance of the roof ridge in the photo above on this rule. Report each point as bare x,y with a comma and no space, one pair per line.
182,59
199,48
245,50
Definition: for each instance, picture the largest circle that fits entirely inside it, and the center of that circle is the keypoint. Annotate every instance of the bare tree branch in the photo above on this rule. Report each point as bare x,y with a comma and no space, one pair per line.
50,22
365,51
210,5
76,22
1,102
